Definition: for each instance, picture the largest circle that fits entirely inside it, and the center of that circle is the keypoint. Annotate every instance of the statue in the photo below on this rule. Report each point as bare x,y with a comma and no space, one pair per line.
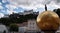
45,7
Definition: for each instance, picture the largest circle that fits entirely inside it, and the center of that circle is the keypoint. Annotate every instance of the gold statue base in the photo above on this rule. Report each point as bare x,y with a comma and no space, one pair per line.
48,21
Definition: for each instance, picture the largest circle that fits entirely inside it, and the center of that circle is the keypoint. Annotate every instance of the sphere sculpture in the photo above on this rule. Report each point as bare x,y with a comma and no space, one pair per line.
48,21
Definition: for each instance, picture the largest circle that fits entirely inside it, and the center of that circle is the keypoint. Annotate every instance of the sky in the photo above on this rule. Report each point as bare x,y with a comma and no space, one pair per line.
10,6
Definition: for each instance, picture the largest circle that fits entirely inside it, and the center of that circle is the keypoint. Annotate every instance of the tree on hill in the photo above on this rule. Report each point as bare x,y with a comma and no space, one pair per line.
13,27
57,11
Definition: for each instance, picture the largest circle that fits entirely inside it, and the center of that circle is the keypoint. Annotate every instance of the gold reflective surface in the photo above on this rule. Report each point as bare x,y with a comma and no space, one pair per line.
48,20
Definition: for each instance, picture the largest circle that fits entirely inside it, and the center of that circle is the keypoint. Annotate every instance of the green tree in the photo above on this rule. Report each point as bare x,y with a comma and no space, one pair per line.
5,21
57,11
13,28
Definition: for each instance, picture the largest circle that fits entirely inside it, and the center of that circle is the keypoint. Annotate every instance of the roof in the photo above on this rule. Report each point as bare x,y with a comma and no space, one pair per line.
22,24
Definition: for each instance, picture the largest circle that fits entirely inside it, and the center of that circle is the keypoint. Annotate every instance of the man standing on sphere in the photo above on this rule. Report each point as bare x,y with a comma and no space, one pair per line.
48,21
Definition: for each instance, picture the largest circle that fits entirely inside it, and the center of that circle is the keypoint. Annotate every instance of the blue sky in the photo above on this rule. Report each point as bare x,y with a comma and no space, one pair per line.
10,6
4,9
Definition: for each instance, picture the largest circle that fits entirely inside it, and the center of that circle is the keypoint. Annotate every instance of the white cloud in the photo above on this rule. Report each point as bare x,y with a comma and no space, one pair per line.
32,7
0,3
1,7
10,7
4,1
34,3
1,15
30,2
53,5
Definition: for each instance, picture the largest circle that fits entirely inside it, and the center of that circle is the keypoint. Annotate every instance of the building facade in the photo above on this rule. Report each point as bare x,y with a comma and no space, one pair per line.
32,24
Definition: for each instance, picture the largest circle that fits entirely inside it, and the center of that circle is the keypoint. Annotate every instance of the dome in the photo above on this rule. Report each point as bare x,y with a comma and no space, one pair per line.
48,20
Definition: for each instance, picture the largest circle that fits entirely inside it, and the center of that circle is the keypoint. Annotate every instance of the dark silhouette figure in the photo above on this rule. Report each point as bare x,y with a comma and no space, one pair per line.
45,7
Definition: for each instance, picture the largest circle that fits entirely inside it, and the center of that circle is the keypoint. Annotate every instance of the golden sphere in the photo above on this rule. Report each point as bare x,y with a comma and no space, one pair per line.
48,20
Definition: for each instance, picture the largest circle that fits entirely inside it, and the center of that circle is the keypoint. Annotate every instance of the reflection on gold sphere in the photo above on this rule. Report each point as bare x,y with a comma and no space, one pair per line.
48,20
